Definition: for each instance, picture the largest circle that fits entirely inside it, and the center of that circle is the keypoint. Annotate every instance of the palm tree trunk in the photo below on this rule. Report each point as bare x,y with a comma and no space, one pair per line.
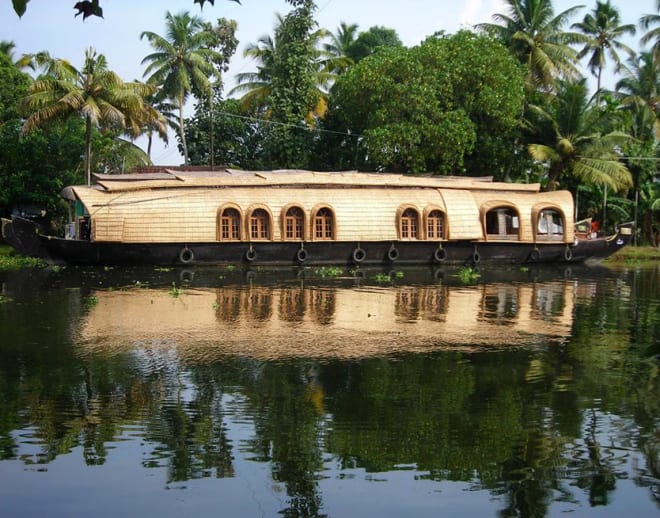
182,132
88,150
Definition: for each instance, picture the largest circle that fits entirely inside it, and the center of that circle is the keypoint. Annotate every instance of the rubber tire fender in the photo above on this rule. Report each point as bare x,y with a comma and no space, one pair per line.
250,255
392,254
440,255
302,255
359,255
186,255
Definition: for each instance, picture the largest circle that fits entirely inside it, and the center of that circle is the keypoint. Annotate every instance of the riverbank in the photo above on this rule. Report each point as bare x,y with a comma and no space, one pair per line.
636,254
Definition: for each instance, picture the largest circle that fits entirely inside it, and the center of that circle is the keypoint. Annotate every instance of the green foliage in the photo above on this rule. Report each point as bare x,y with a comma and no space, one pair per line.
370,41
183,61
237,136
11,262
91,301
93,92
429,108
582,141
468,275
603,28
175,291
44,162
382,278
329,271
13,87
534,34
293,89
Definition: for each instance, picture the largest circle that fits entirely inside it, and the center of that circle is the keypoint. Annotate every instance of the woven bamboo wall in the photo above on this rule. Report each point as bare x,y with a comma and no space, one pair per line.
189,216
185,208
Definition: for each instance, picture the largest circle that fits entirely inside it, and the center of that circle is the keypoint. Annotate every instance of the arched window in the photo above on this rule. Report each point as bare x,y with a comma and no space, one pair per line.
550,224
294,224
409,224
435,225
259,225
324,224
230,225
502,223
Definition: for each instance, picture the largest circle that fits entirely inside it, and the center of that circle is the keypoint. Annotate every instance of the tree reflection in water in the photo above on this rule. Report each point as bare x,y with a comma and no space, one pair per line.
541,393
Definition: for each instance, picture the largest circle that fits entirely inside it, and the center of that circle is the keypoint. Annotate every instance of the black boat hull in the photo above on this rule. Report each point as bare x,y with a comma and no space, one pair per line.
24,236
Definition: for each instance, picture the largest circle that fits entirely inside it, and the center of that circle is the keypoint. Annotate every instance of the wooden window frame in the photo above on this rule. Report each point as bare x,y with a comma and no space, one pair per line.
295,223
409,224
223,219
327,222
255,220
439,230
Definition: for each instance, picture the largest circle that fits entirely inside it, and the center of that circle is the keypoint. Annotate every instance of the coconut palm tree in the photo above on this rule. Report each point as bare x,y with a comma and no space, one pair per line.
8,47
639,91
182,63
335,52
170,119
254,87
93,92
579,148
603,28
651,23
535,35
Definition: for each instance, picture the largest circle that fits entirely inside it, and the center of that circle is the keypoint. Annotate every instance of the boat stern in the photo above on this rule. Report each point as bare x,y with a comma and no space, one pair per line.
23,235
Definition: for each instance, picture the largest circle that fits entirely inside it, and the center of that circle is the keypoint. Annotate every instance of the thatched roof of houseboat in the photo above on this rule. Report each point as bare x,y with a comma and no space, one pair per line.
168,179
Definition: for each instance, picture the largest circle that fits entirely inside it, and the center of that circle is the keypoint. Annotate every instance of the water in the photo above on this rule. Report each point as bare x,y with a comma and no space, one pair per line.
171,393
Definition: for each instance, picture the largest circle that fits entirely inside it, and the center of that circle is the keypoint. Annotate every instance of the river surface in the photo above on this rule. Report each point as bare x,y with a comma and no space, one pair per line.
221,392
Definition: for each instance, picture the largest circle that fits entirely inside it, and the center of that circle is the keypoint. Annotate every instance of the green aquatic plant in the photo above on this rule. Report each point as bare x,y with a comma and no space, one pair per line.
382,278
175,291
4,299
91,301
468,275
12,262
329,271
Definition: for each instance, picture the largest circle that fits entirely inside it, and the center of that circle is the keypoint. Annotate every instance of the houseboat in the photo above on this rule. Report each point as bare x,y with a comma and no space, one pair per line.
294,217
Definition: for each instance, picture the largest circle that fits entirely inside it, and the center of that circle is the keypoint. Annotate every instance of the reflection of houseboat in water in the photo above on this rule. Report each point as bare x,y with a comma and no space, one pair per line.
324,322
303,217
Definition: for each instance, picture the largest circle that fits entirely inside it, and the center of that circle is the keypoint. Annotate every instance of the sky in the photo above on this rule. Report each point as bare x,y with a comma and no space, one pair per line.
50,25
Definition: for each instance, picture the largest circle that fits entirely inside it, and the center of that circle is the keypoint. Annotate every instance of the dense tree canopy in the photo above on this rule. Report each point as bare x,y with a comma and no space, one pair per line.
13,87
431,107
